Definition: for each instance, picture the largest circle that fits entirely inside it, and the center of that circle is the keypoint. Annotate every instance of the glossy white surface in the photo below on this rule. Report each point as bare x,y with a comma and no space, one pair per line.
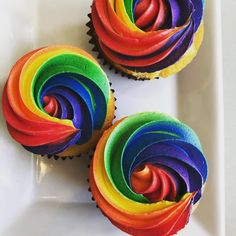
47,197
229,58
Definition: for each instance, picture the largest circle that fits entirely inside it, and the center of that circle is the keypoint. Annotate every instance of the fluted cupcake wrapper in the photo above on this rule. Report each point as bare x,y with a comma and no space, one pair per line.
100,55
56,157
91,194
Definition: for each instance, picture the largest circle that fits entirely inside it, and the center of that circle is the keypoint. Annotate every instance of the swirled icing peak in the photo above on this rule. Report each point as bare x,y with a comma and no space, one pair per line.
57,98
147,173
148,38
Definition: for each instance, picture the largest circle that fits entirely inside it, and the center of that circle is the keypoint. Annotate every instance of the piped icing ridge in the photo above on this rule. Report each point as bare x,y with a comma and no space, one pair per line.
148,38
147,174
57,100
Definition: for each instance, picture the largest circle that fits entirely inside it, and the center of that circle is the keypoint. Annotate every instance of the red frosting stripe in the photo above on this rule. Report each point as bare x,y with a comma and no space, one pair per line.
138,62
24,121
51,105
155,184
161,16
147,15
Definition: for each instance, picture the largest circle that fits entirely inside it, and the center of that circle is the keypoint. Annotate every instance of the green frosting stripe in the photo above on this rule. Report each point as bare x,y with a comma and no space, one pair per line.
129,9
62,64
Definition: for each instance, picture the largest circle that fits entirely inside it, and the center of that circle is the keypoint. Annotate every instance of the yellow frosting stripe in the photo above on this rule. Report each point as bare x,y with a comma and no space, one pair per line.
122,14
26,82
30,69
188,56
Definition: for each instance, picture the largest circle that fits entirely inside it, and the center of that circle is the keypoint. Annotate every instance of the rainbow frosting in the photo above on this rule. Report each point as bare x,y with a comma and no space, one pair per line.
147,174
148,38
57,100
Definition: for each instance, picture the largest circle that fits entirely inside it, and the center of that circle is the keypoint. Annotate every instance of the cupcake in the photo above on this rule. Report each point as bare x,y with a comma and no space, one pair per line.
147,39
148,174
57,101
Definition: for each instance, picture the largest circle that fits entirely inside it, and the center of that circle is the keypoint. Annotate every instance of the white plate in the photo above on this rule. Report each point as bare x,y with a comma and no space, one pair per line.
47,197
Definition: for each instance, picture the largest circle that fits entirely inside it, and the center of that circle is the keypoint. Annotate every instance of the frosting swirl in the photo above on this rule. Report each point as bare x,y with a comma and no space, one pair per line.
57,98
147,173
147,38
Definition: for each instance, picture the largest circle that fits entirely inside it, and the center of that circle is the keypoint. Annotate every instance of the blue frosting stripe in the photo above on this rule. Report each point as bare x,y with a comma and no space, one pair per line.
97,96
198,12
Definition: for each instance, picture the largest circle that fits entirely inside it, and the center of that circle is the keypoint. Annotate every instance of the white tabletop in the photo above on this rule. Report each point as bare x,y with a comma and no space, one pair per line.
229,47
